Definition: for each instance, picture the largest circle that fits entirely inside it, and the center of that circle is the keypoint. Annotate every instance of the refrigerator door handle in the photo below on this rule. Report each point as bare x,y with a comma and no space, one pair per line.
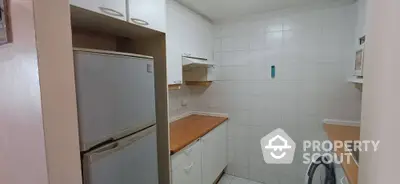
108,147
118,145
102,152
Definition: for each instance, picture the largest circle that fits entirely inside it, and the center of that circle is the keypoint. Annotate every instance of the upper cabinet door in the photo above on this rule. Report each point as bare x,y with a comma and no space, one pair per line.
175,36
114,8
147,13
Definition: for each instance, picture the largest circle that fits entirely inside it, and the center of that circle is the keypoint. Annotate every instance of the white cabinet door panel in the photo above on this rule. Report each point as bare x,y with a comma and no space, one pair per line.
148,13
186,165
115,8
175,37
186,155
203,161
187,174
187,34
214,155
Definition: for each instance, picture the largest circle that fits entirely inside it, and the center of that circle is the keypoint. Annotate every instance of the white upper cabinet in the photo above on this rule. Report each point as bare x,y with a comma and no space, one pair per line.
147,13
174,63
187,34
115,8
174,39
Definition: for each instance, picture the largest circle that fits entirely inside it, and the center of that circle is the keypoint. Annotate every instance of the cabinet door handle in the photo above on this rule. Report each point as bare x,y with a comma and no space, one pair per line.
342,180
139,22
111,12
188,151
187,169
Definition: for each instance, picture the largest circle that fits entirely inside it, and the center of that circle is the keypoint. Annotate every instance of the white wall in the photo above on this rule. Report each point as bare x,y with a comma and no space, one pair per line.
361,21
380,116
313,51
38,123
176,97
22,143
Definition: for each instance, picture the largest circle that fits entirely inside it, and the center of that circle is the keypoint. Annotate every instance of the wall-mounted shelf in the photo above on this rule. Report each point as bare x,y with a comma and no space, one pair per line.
356,80
197,65
189,62
174,86
198,83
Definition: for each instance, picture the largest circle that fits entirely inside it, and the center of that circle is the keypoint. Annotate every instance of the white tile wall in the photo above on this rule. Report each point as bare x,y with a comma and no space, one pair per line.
312,52
176,97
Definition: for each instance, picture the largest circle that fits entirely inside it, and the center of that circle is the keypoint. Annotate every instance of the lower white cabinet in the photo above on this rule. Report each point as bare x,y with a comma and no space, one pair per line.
214,155
202,161
186,165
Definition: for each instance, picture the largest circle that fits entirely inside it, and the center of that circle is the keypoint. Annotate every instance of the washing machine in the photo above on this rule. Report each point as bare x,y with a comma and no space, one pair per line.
321,172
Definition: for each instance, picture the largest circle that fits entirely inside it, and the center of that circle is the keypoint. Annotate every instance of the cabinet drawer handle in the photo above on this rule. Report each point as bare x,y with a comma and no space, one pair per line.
111,12
139,21
189,149
188,168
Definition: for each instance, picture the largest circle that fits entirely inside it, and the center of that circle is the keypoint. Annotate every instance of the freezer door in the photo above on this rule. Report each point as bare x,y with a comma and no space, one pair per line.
115,96
130,160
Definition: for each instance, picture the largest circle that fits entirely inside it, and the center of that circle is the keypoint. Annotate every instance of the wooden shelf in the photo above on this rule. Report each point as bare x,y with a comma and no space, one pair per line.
356,80
198,83
112,52
174,86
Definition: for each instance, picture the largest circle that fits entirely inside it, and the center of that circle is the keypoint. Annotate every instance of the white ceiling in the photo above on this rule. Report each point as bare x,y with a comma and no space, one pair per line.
225,9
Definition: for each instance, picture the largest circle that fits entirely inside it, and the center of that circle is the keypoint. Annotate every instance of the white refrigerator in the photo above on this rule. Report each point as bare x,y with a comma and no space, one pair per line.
116,113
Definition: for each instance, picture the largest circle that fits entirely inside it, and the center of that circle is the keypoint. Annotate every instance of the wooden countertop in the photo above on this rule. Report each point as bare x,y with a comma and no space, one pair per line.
186,130
343,133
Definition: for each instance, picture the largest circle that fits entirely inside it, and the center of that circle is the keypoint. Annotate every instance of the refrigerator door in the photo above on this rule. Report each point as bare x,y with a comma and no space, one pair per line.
115,95
130,160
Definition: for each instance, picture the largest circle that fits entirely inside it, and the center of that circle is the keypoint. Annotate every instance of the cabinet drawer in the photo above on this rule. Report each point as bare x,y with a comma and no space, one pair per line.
186,155
186,165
